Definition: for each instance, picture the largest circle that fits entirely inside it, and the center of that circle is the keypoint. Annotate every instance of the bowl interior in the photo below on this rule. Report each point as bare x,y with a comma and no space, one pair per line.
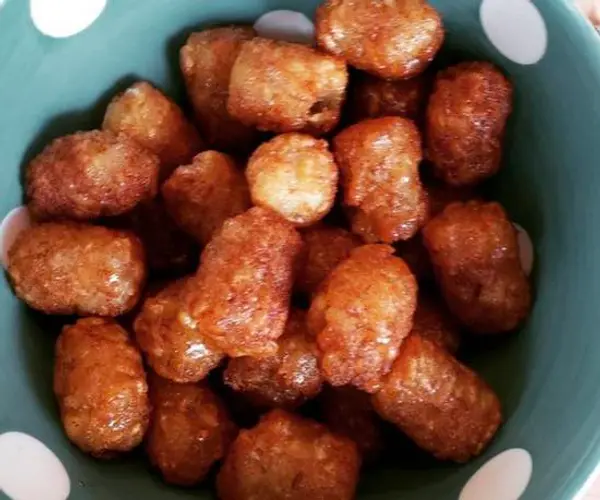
546,375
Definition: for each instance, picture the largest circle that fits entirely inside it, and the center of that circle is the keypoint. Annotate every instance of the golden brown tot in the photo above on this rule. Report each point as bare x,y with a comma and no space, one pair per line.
475,254
100,385
360,316
394,39
294,175
442,405
284,87
466,121
379,163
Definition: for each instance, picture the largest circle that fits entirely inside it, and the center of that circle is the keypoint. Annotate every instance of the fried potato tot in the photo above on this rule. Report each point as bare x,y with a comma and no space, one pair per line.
241,293
206,61
100,385
284,87
202,196
169,251
286,456
360,316
466,121
475,253
155,122
174,348
349,412
433,321
294,175
190,430
443,406
72,268
286,379
372,97
394,39
379,164
88,175
440,195
324,248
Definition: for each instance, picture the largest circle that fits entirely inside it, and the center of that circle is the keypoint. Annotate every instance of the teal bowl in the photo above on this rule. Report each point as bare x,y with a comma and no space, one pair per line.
547,375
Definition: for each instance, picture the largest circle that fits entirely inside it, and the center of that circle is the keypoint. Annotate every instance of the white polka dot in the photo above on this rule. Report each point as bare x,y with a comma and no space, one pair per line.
526,253
29,470
504,477
286,25
64,18
516,28
15,222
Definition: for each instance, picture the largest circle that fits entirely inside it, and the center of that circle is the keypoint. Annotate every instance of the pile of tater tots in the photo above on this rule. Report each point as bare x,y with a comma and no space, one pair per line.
313,232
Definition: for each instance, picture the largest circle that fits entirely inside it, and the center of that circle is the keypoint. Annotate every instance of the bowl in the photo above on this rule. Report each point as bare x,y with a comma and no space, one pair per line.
61,61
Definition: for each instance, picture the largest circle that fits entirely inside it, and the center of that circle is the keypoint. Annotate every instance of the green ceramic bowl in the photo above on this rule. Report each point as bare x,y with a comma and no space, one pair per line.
548,375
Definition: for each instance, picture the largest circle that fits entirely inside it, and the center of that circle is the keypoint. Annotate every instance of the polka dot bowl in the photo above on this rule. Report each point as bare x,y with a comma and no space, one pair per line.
62,60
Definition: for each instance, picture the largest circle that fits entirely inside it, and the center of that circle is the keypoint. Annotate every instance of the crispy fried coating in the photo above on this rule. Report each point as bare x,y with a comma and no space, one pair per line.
349,412
241,293
174,348
466,120
206,61
284,87
286,456
190,430
72,268
168,249
100,385
395,39
202,196
433,321
360,316
294,175
372,97
442,405
324,248
475,253
379,164
88,175
285,379
155,122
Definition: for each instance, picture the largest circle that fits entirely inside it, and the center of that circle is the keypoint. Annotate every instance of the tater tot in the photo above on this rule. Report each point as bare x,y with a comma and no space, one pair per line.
324,248
379,164
72,268
284,87
190,430
203,195
349,412
100,385
286,456
241,293
466,121
168,249
206,61
395,39
433,321
294,175
155,122
372,97
360,316
285,379
475,253
442,405
174,348
88,175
